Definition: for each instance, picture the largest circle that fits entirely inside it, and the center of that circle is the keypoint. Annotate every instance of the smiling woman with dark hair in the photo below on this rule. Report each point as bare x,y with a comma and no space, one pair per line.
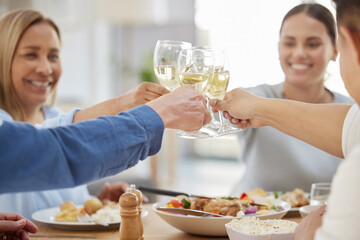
307,44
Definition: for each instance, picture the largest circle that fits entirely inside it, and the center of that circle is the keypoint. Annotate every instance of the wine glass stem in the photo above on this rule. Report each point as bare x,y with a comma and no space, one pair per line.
211,112
222,120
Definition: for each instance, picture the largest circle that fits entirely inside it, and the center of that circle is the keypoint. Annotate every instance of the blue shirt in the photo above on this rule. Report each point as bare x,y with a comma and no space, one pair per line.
26,203
41,159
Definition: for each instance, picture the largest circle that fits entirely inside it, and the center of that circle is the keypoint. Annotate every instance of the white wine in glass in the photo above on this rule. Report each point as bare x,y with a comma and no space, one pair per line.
166,54
218,86
167,76
196,67
199,80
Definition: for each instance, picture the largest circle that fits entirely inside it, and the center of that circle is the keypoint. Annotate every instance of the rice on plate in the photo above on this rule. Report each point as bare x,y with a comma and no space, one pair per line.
252,228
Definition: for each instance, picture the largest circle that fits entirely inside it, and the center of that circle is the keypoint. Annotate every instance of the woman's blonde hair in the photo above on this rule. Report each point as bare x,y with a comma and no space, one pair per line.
12,27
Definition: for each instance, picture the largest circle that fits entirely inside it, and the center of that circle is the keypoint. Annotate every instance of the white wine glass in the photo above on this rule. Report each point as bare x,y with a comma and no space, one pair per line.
196,67
218,86
166,54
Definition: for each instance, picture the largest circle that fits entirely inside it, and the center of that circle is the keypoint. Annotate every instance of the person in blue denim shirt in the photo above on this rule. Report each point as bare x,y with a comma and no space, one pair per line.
50,158
31,84
70,156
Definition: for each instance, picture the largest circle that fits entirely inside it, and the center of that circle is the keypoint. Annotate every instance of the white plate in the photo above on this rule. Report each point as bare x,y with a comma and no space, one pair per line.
237,235
294,211
305,210
213,226
48,216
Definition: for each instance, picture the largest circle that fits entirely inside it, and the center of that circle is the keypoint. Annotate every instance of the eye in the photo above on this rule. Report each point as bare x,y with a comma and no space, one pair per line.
31,55
288,44
53,57
313,44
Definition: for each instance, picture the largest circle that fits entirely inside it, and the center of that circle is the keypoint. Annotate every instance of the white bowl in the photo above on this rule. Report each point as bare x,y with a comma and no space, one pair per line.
213,226
236,235
305,210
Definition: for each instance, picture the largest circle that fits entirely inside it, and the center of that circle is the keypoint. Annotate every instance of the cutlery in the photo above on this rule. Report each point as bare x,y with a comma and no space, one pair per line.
169,193
189,212
61,236
174,193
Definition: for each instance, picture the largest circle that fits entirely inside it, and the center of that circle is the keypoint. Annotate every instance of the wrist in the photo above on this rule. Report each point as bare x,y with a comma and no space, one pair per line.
159,110
121,103
264,111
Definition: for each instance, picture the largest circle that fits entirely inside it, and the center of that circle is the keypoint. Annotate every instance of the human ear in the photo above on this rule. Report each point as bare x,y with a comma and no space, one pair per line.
353,40
335,53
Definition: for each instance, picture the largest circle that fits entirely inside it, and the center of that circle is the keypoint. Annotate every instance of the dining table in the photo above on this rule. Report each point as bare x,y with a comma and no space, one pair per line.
154,227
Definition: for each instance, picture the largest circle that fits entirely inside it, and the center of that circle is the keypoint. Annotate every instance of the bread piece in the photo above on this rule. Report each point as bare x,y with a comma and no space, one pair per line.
68,206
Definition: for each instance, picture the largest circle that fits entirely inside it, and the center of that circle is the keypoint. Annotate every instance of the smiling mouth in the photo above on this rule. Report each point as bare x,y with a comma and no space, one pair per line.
41,84
297,66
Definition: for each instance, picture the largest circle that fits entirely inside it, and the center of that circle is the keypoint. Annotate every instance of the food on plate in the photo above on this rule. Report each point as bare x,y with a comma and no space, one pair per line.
257,192
253,225
296,198
92,205
106,212
68,205
68,215
218,206
227,206
109,213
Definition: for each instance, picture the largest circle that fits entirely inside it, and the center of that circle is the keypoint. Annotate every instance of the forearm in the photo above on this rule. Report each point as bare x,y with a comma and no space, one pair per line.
107,108
317,124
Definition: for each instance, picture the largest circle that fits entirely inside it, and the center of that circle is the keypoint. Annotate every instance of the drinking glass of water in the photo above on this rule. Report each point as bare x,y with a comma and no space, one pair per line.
319,193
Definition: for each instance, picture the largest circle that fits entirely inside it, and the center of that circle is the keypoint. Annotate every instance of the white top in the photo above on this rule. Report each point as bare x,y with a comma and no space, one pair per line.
342,217
351,130
278,162
25,203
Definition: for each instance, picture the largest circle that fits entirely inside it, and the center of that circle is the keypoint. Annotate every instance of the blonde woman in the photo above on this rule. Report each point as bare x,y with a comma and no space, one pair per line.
30,69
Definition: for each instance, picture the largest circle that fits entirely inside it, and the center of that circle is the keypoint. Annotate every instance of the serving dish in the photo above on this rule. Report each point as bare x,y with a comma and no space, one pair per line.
237,235
213,226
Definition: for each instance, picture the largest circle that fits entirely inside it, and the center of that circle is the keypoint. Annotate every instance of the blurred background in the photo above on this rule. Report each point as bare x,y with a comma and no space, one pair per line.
107,48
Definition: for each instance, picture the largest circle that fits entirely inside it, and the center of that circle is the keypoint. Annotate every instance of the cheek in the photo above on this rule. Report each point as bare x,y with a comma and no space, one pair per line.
322,58
283,57
57,72
16,76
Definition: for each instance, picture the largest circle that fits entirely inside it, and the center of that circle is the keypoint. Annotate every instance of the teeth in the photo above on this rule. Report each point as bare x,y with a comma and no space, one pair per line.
299,66
42,84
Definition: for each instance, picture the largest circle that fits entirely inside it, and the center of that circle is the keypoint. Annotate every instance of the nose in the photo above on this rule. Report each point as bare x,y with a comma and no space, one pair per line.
44,67
300,51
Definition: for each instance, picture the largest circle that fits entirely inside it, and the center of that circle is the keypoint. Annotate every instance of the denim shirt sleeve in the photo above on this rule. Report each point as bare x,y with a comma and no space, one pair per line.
78,153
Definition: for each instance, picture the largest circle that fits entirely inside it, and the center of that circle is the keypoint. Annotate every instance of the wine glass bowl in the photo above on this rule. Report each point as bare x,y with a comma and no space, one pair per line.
218,86
166,54
196,67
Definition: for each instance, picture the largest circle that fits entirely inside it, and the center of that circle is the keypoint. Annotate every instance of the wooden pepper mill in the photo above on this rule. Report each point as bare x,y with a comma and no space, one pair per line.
129,228
139,207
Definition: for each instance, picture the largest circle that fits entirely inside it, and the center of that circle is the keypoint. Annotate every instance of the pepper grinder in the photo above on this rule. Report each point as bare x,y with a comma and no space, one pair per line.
139,207
129,228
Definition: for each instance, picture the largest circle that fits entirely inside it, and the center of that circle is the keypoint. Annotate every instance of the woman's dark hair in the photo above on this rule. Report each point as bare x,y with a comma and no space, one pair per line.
318,12
348,13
